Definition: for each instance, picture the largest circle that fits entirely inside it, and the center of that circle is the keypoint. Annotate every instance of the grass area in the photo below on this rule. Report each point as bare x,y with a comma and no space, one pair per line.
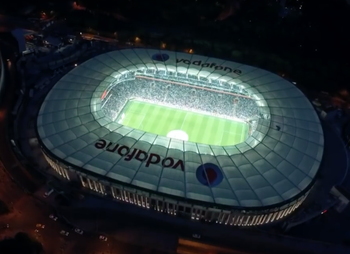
200,128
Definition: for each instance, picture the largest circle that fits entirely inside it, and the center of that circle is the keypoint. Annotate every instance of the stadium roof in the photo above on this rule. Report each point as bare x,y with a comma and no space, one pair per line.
277,163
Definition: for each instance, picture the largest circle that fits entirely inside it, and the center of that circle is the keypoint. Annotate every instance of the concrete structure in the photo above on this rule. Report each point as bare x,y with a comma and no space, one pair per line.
256,182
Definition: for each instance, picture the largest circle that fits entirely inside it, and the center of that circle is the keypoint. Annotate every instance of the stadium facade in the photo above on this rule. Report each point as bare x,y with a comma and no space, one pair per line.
255,182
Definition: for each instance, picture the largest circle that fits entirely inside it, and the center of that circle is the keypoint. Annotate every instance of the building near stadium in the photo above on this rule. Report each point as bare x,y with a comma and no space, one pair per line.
183,134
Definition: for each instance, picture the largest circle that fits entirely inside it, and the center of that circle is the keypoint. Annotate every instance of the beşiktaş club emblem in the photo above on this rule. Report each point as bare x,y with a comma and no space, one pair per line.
209,174
160,57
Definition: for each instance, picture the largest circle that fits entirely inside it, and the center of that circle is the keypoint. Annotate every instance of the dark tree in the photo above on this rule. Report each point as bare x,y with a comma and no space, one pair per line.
21,243
3,208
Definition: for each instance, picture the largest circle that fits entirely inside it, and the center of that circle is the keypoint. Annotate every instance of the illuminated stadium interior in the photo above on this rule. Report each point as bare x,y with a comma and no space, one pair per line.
182,106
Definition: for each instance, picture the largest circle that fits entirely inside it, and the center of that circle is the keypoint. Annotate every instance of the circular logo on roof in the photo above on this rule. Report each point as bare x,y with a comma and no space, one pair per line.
160,57
209,174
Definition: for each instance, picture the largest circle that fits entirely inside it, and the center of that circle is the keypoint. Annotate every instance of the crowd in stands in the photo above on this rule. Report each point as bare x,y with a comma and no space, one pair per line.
188,97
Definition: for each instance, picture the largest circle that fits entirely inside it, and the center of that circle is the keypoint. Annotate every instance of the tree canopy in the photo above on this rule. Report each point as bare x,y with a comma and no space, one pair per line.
21,243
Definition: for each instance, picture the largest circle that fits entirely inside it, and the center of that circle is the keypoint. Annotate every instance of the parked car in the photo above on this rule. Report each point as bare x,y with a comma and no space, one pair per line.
53,217
65,233
48,193
103,238
197,236
40,226
78,231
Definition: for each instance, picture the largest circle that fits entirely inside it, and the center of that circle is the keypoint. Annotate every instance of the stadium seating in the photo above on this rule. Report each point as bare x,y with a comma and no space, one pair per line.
187,94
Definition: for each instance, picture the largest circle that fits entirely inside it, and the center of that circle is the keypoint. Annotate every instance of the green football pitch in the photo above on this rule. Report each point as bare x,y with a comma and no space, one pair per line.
199,128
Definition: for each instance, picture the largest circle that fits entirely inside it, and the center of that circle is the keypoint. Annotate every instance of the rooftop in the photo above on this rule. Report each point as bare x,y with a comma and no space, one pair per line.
277,163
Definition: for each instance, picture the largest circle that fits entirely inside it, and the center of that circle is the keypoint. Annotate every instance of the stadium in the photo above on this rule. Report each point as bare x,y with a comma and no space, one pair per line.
188,135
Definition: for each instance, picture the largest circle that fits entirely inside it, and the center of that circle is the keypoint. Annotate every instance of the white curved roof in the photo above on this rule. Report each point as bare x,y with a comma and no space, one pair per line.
270,167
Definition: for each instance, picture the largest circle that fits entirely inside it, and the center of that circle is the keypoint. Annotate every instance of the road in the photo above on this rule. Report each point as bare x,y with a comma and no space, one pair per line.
7,157
185,246
27,212
332,226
